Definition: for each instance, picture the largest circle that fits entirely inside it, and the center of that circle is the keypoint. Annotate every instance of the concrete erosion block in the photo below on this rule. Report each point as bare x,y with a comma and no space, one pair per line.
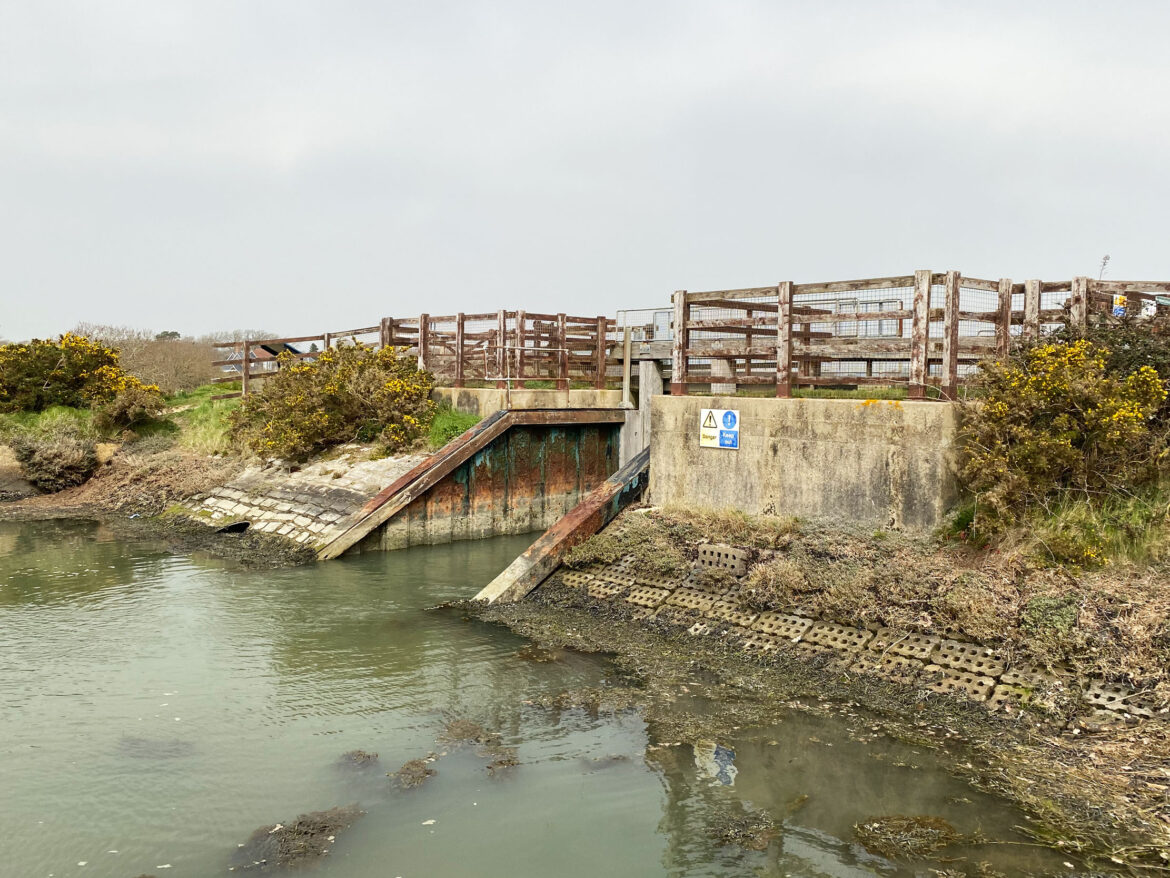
904,643
782,625
970,657
691,599
1117,697
729,612
1007,698
728,558
836,636
599,590
896,667
576,578
646,597
657,580
679,616
950,681
760,642
699,629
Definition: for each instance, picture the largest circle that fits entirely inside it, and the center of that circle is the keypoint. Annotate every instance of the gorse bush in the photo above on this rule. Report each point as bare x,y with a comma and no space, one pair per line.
72,371
1057,423
55,462
131,407
346,394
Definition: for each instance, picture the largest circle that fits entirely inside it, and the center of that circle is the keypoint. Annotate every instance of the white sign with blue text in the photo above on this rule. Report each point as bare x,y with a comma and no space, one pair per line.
719,428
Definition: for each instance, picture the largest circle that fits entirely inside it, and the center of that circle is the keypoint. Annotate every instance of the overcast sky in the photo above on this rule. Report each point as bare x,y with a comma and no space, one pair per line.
311,166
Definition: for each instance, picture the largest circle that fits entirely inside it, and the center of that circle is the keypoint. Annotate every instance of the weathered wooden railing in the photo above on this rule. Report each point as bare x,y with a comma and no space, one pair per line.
502,347
919,330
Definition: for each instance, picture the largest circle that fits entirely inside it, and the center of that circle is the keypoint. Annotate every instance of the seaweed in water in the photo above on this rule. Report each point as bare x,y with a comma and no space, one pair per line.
413,773
906,838
298,843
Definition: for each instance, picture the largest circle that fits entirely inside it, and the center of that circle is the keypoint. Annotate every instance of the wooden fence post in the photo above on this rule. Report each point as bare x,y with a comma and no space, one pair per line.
920,334
950,353
521,340
1031,308
627,400
459,321
244,378
502,350
678,377
784,340
563,353
1003,322
424,339
384,332
326,341
602,329
1079,311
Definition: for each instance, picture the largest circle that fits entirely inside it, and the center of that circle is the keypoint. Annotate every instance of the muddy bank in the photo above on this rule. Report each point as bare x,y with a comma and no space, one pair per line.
1102,796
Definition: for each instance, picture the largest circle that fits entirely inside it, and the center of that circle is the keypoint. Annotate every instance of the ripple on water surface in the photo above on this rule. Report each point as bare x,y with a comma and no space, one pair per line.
156,709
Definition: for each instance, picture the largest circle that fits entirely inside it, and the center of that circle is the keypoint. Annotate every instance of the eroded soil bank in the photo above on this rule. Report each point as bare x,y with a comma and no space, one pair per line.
1096,792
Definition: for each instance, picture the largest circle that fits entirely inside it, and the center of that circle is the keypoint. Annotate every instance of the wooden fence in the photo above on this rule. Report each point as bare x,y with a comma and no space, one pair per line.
919,330
502,347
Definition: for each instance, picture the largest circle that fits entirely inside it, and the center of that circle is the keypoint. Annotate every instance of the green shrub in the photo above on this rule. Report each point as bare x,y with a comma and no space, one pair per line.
72,371
53,463
449,424
133,406
347,394
1054,422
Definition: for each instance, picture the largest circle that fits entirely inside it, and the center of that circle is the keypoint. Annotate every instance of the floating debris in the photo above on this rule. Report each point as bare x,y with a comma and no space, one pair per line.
297,843
414,773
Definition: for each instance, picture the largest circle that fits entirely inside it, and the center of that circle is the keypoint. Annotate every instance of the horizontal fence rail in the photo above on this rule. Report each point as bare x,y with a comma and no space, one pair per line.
504,348
917,330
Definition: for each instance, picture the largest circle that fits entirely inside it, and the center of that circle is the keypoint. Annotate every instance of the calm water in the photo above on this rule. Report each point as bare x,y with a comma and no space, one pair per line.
155,709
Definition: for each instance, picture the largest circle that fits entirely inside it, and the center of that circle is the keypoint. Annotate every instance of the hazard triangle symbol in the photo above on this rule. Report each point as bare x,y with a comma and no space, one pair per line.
709,421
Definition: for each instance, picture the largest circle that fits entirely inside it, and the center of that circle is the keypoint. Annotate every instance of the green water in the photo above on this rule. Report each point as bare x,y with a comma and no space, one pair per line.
155,709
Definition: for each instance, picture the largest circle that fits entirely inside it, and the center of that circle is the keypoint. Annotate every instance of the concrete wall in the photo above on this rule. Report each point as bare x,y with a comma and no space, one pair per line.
483,401
524,481
869,462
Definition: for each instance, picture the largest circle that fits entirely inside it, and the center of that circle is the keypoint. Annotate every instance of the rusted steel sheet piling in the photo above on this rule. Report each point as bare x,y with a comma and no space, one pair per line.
587,518
471,446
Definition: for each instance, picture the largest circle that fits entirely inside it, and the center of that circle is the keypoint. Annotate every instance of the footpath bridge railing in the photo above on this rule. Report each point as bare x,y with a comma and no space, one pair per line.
502,347
918,330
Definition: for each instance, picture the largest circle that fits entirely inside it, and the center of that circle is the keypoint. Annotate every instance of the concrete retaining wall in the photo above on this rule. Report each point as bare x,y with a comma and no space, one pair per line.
484,401
870,462
524,481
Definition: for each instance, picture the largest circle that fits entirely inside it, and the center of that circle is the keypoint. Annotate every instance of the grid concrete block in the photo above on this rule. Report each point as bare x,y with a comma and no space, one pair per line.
644,596
761,643
1028,677
699,629
969,657
1117,697
728,558
612,575
576,578
837,636
679,616
782,625
691,599
1008,699
599,590
729,612
904,643
657,580
639,613
950,681
895,667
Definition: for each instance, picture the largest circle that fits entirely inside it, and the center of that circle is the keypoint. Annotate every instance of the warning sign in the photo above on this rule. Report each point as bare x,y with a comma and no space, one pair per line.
719,428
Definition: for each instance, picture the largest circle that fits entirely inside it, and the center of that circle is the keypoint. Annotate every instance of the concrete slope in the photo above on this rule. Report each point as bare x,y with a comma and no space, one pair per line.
394,498
587,518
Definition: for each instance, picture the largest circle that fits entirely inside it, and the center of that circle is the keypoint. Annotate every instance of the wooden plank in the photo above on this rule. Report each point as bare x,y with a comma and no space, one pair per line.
1112,287
424,329
1031,308
501,349
1059,286
678,385
919,332
519,352
235,395
563,358
848,286
245,362
717,295
975,283
731,304
784,340
1003,326
950,358
861,316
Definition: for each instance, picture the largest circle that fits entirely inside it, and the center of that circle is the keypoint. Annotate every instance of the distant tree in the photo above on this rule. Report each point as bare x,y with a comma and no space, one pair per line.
169,335
313,348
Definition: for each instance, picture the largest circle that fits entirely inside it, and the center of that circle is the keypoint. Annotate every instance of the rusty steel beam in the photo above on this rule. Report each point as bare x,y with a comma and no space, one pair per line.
585,519
402,492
